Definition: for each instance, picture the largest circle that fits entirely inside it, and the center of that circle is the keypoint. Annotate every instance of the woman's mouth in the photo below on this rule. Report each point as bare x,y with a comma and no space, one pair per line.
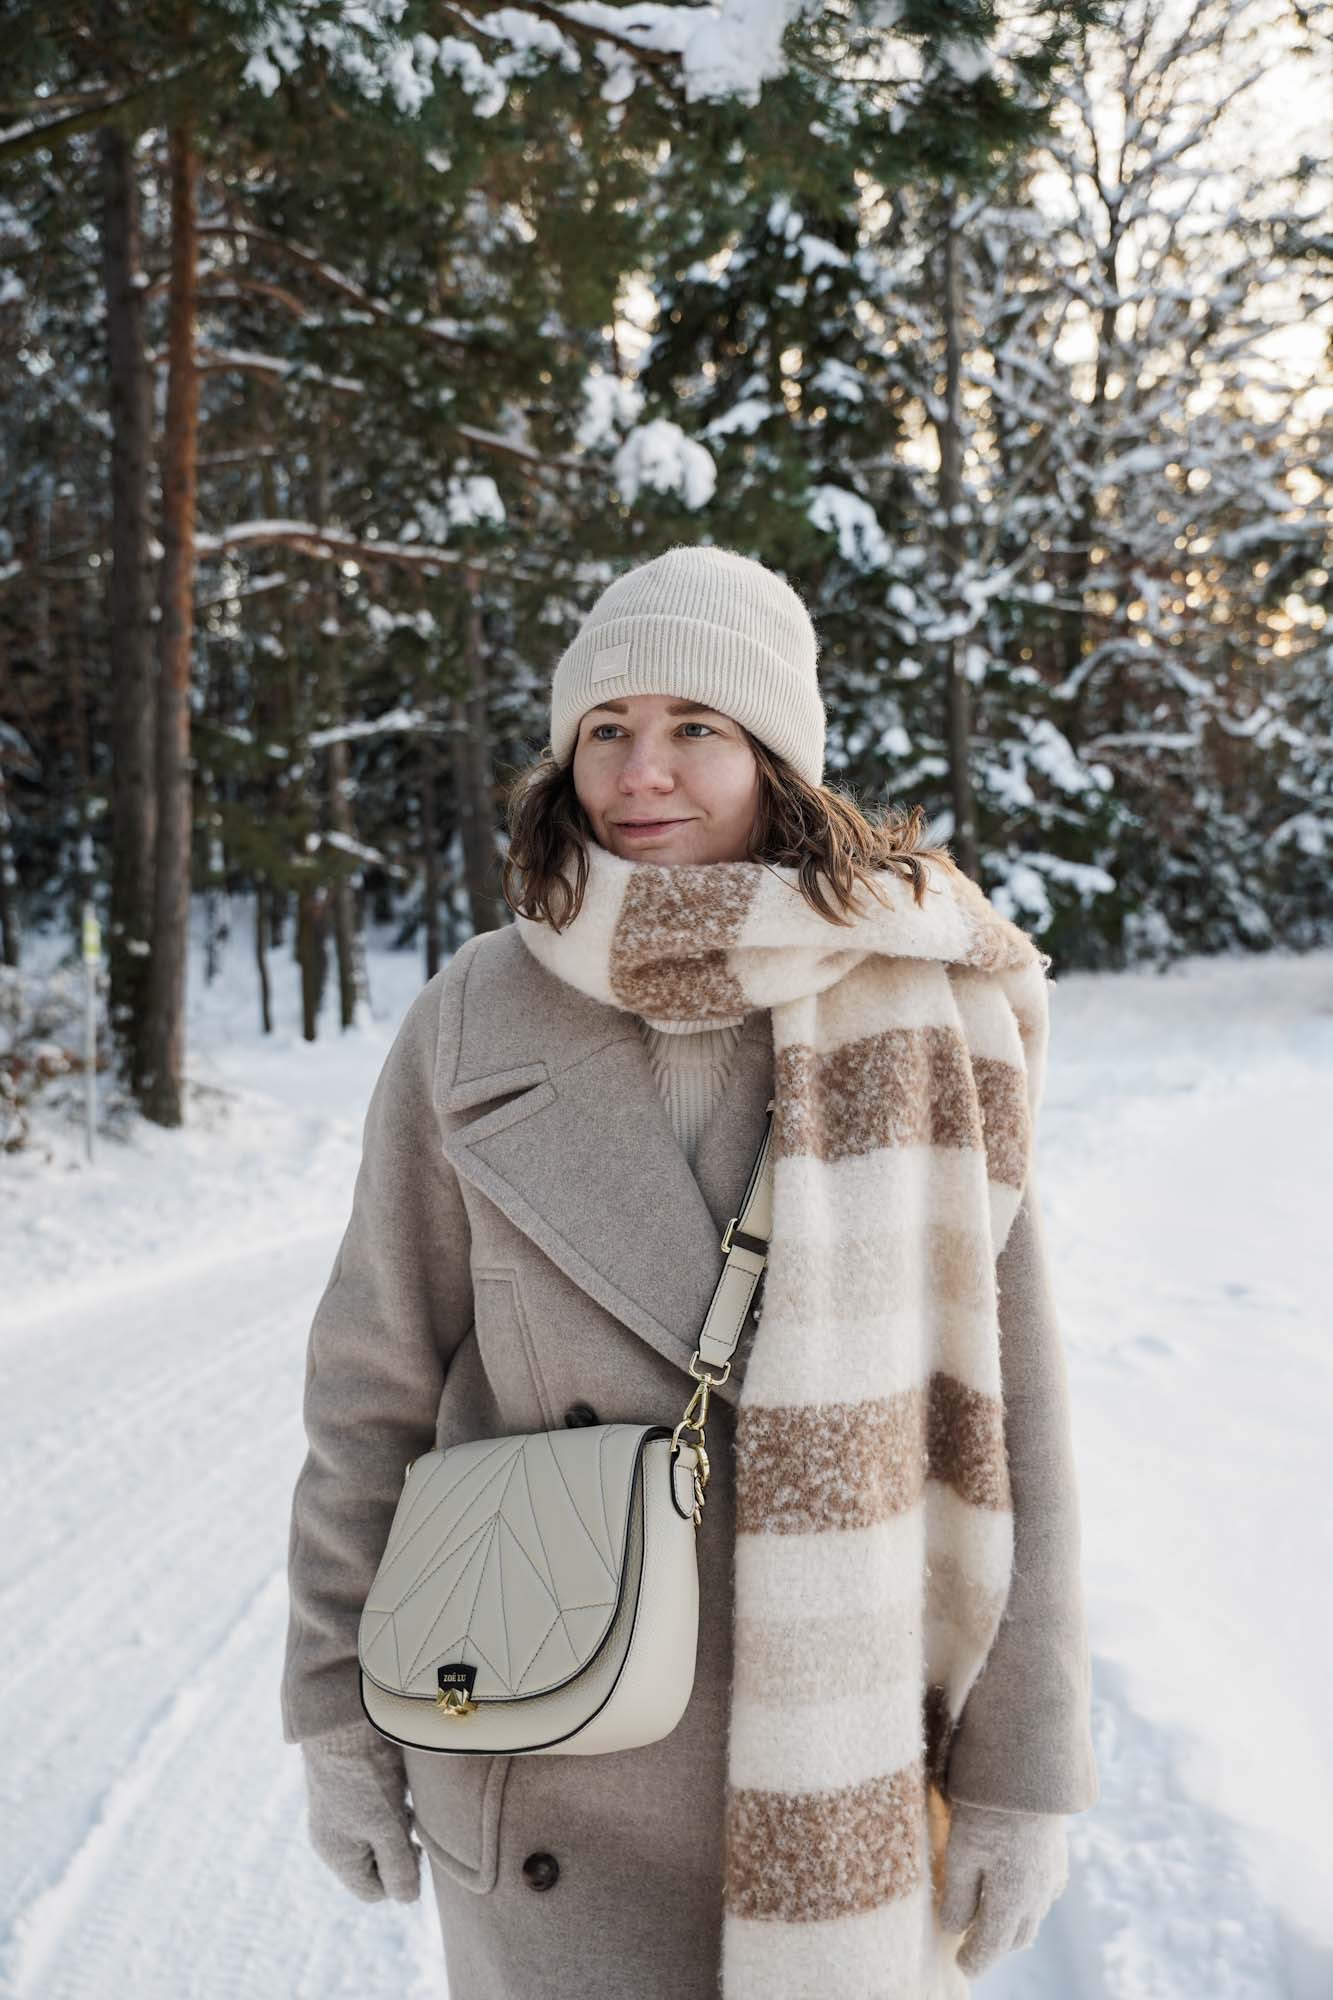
647,829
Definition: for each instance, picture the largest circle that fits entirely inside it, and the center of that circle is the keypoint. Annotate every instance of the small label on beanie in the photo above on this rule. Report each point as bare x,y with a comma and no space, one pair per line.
612,660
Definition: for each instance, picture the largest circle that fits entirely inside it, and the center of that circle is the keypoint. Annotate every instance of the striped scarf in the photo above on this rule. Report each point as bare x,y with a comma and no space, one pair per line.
874,1520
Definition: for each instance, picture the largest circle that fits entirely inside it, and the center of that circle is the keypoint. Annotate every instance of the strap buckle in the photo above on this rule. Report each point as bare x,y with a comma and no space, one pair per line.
756,1245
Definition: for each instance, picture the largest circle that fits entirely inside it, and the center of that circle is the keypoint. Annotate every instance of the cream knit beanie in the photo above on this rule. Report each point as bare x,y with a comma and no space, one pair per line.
709,625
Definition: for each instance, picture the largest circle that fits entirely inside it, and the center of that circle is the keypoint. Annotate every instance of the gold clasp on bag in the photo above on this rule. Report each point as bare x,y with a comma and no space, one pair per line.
454,1702
689,1422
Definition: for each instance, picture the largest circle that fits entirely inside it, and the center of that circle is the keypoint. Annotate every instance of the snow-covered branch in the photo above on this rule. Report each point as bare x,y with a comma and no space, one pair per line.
332,545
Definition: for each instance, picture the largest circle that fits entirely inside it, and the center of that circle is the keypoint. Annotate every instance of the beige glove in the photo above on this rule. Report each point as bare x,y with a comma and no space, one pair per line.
1002,1872
360,1821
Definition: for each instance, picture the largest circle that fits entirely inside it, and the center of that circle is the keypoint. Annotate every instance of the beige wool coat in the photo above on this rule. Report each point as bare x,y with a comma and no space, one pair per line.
528,1247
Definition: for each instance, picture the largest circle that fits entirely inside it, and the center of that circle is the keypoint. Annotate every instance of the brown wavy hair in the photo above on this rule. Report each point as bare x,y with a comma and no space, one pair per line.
817,829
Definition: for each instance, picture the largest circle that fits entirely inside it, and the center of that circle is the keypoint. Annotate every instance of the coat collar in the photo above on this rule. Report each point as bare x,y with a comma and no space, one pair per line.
553,1113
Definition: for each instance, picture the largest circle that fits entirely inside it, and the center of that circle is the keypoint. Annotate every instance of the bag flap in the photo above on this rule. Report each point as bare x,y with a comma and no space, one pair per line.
505,1557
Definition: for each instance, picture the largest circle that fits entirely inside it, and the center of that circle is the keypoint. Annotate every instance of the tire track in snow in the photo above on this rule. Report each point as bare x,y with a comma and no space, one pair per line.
39,1930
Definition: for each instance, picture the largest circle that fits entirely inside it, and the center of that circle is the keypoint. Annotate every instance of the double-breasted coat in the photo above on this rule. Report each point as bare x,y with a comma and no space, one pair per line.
528,1247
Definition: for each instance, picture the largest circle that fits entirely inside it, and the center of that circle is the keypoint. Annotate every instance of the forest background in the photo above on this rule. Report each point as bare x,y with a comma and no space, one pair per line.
350,350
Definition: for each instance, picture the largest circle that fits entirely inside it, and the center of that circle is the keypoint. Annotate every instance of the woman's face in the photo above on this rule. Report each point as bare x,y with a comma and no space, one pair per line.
687,771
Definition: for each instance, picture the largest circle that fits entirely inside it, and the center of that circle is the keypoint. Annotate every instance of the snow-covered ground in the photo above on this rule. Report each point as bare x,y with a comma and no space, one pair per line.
153,1315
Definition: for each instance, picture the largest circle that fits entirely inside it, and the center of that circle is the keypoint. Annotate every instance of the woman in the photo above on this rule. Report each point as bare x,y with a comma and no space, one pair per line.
560,1133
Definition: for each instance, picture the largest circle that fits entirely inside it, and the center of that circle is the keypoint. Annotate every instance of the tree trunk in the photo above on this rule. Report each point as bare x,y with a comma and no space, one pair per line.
312,907
472,769
9,916
1073,622
212,795
353,981
164,1038
272,721
964,841
430,855
132,807
261,960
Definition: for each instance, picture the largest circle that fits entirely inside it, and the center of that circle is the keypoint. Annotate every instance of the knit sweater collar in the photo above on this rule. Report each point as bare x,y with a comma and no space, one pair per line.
691,1027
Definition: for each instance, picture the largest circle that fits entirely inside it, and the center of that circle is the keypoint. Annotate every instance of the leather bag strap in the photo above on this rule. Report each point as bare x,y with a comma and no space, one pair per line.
745,1254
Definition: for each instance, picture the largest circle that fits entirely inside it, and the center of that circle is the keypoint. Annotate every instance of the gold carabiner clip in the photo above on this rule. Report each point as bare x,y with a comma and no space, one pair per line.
694,1419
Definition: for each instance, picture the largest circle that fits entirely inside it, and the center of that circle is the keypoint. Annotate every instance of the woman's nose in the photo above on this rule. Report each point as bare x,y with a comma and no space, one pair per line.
644,764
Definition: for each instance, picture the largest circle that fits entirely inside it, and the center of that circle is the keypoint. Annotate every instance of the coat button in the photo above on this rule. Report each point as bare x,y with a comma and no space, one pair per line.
581,1413
541,1870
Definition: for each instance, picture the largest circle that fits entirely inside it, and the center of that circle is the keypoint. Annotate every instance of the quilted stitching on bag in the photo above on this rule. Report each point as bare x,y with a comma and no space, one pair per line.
522,1541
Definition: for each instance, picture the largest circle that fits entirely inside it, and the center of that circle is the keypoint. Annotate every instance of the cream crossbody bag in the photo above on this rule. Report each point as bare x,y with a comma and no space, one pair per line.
541,1591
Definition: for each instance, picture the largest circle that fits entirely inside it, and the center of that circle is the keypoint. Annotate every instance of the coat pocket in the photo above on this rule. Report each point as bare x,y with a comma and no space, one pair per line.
508,1351
456,1803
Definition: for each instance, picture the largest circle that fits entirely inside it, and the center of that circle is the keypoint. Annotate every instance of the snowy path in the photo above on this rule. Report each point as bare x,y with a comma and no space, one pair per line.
152,1338
154,1841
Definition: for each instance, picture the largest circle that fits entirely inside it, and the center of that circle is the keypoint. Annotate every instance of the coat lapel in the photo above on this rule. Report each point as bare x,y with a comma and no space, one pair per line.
580,1153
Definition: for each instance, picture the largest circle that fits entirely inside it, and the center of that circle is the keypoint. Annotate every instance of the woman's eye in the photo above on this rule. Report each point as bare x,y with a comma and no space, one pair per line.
594,734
